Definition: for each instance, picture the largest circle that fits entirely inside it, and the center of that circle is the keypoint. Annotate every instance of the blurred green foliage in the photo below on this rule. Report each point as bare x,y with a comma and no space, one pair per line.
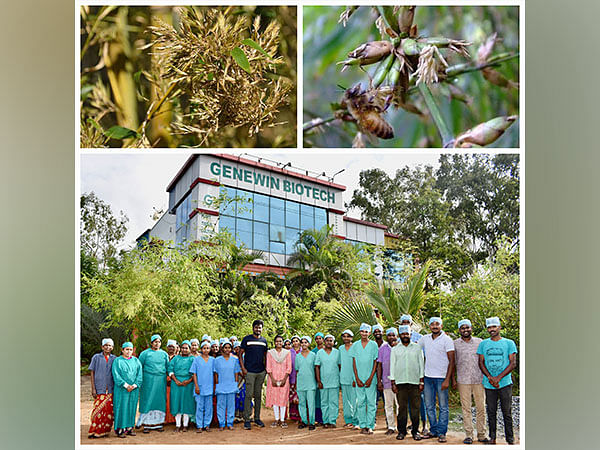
325,42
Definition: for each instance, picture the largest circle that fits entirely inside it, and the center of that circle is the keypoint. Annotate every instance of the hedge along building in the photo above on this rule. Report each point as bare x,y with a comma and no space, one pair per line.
267,205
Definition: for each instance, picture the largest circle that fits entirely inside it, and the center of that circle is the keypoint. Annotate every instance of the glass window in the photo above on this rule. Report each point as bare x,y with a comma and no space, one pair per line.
277,233
291,237
292,214
227,223
227,208
243,232
320,218
307,217
261,236
278,247
277,211
261,208
245,204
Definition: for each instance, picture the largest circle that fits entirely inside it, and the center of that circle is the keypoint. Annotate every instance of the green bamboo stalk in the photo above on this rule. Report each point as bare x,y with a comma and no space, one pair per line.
436,115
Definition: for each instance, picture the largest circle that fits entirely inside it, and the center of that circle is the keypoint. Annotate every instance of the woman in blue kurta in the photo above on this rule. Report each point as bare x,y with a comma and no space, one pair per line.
182,401
127,375
202,371
153,394
227,372
364,361
306,384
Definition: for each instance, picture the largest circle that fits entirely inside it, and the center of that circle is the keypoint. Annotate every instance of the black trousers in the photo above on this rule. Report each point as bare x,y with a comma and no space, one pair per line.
408,393
491,405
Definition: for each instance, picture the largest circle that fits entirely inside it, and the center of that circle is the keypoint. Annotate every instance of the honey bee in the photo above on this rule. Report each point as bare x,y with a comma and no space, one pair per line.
367,107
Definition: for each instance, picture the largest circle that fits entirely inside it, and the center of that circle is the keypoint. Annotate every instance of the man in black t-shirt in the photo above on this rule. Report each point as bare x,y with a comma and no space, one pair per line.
253,360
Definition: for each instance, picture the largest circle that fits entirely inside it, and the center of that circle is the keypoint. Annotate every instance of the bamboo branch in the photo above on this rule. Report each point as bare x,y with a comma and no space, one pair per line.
436,115
316,123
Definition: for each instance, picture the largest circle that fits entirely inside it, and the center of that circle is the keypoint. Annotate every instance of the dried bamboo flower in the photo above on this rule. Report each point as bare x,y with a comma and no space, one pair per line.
484,51
358,141
427,70
346,13
215,91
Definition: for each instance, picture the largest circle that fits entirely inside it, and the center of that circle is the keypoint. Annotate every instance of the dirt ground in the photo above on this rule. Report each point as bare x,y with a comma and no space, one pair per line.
289,436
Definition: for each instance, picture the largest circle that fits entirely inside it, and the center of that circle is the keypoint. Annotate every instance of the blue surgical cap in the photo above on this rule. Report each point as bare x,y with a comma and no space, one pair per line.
405,317
194,340
329,336
205,344
186,342
365,327
492,321
307,339
390,331
172,342
225,341
155,337
464,322
107,341
348,332
236,344
435,319
377,327
205,337
214,342
319,334
404,329
127,345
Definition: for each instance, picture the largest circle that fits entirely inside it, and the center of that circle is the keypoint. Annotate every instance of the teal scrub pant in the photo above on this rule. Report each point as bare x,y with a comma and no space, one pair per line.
366,406
330,404
306,403
349,404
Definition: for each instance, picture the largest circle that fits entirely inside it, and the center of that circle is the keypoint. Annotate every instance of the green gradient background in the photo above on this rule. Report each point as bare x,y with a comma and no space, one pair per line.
37,226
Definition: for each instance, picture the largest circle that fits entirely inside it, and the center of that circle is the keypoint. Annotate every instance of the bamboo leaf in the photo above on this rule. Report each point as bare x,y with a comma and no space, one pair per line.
240,58
95,124
255,46
118,132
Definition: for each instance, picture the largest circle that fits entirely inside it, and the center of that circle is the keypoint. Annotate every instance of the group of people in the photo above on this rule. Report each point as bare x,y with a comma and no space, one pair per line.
211,382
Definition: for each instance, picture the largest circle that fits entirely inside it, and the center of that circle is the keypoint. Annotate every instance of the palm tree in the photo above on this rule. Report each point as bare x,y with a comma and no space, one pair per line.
321,257
389,300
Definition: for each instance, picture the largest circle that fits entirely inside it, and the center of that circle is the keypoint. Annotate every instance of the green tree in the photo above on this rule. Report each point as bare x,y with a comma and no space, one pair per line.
101,231
412,206
484,193
321,257
158,289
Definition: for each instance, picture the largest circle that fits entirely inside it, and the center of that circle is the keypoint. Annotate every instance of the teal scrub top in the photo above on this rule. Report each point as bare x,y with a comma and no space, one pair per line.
329,367
305,372
346,372
364,358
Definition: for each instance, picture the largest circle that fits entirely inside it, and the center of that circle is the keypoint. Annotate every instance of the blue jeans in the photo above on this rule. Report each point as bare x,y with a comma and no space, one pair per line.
437,425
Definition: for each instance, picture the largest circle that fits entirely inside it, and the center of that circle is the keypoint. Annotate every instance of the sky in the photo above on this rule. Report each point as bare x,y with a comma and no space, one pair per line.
136,183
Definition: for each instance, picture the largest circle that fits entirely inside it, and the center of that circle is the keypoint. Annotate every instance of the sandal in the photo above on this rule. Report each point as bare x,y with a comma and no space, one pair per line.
468,441
284,425
442,438
145,431
417,437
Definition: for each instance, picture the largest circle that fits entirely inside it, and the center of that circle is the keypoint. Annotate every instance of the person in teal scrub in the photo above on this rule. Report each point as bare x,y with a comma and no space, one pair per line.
327,371
364,361
347,380
153,393
182,403
127,374
306,384
319,344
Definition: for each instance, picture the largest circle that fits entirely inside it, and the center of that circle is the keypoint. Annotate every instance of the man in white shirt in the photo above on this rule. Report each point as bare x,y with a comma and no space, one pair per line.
439,365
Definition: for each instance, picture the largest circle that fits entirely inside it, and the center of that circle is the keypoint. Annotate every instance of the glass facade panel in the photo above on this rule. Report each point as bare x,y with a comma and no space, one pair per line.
307,217
261,236
227,208
292,214
261,208
269,224
244,204
320,218
277,211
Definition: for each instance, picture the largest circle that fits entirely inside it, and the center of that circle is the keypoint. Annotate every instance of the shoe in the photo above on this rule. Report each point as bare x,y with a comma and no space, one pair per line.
510,442
311,427
122,435
145,431
484,440
284,425
364,431
247,426
399,436
428,435
230,427
184,429
442,438
221,428
301,425
259,423
274,424
416,437
198,430
160,430
207,429
177,429
491,442
369,431
468,441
